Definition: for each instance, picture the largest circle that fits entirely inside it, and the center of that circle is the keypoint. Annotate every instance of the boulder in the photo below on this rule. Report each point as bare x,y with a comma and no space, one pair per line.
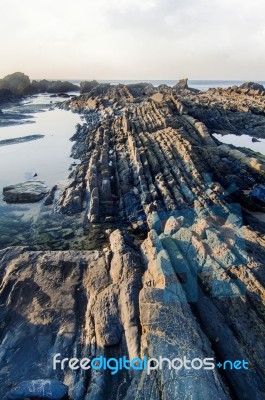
40,388
23,139
16,83
259,193
27,192
141,89
252,86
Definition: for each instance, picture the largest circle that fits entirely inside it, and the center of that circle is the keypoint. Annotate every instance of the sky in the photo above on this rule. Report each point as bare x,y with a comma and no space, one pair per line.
133,39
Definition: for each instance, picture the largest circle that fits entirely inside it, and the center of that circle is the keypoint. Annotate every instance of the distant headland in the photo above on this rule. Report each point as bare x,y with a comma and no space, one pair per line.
17,85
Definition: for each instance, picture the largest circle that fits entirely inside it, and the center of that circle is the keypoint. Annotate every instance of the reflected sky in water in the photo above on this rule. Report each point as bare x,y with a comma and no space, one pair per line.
242,141
49,157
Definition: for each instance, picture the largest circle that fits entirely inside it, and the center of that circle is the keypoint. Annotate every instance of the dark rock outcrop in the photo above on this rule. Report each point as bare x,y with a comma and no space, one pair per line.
23,139
141,89
17,85
252,86
87,86
5,95
45,86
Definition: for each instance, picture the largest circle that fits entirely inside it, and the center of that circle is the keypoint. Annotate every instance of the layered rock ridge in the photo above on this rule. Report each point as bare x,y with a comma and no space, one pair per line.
174,264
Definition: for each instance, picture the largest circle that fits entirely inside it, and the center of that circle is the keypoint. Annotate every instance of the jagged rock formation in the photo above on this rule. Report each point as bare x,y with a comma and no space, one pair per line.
176,262
182,84
86,87
235,110
17,84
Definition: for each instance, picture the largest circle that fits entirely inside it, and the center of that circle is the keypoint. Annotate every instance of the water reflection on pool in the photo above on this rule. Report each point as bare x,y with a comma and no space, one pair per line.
242,141
49,158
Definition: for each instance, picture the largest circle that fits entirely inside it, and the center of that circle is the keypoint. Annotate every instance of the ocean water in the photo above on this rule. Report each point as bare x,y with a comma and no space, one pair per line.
196,84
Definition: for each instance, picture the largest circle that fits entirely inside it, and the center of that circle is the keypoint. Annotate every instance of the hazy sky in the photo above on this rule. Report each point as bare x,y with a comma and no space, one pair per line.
133,39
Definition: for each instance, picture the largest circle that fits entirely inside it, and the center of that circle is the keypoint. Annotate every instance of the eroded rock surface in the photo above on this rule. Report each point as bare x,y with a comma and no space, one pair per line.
40,388
26,192
176,261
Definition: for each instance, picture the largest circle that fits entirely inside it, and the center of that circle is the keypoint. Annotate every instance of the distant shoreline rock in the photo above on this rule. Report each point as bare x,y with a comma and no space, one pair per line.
183,85
18,85
8,142
252,86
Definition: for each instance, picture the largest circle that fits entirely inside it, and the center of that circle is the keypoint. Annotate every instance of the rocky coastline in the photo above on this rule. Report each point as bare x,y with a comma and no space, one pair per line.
171,261
18,85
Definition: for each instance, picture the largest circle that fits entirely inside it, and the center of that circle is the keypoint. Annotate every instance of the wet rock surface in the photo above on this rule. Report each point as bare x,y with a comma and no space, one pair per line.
7,142
171,261
44,296
6,116
41,389
26,192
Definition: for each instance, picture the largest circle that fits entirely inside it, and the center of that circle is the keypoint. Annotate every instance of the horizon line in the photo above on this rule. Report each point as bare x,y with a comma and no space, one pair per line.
164,79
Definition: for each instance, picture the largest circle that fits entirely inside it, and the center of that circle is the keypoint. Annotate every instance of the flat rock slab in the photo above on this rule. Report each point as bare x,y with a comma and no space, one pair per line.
8,142
40,388
27,192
